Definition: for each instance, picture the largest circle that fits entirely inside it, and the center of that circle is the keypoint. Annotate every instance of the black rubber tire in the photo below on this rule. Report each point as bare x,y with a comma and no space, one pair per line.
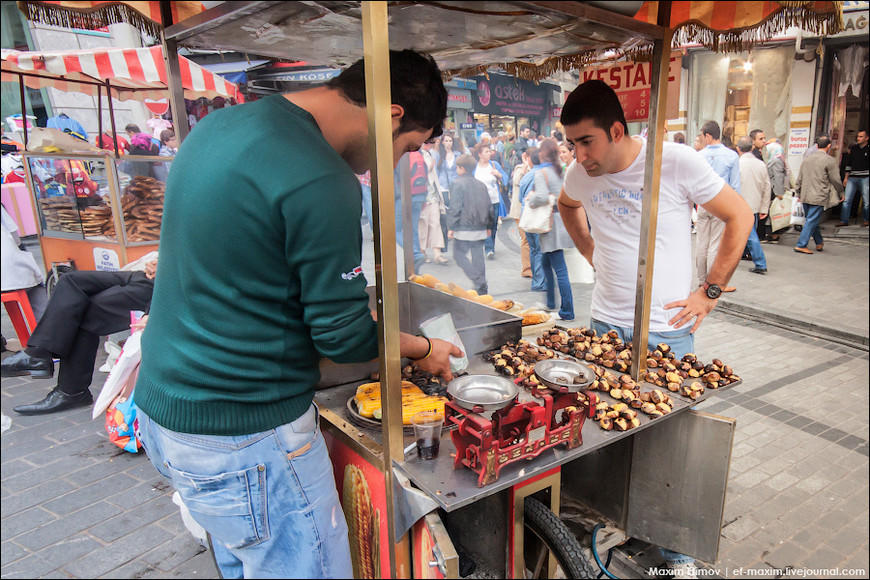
555,535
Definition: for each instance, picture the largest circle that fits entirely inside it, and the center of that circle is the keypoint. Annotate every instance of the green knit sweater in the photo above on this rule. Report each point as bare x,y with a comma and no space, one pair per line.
259,274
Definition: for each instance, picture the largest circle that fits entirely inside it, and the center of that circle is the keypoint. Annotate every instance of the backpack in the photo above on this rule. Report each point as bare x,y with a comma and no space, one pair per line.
419,181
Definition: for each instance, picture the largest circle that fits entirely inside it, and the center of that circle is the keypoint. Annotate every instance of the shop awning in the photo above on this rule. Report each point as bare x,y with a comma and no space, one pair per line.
133,74
730,26
94,15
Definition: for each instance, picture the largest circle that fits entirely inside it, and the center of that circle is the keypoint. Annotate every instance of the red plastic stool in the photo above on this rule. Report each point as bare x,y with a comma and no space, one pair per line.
18,306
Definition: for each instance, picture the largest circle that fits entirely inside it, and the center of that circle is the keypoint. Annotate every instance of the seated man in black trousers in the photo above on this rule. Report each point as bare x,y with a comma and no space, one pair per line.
83,307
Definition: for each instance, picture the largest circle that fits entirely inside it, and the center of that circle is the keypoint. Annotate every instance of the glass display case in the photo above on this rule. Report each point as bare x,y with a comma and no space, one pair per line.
92,206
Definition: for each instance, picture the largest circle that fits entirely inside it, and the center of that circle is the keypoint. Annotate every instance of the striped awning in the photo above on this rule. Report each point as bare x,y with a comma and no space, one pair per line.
729,26
144,15
132,73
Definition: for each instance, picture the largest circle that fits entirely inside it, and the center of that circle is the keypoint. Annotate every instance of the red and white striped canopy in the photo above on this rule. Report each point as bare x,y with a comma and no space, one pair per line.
133,73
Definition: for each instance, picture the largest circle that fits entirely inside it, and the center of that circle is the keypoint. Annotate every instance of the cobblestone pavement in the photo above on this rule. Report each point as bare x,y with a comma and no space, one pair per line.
75,506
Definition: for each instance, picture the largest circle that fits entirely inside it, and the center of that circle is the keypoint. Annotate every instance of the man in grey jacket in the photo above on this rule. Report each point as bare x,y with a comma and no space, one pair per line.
755,189
819,187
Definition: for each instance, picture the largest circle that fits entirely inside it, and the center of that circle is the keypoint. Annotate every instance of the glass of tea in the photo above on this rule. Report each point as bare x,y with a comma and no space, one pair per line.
427,430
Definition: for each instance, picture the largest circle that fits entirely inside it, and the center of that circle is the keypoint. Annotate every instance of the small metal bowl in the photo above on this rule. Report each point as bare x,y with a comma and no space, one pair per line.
560,374
480,393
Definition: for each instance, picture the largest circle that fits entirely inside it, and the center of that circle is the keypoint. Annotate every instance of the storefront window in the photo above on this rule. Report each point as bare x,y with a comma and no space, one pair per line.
503,123
482,119
848,96
742,92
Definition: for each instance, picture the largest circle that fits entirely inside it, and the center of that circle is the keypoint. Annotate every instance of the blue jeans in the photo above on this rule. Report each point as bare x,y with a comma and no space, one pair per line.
417,202
489,246
367,205
811,227
852,185
267,499
555,262
753,246
538,282
681,340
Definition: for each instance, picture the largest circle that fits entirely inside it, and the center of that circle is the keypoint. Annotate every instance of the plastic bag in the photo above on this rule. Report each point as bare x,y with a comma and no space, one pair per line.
780,212
798,217
121,418
442,327
123,373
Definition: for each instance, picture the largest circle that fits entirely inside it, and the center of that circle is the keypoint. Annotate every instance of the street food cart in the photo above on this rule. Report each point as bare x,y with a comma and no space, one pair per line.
410,517
94,208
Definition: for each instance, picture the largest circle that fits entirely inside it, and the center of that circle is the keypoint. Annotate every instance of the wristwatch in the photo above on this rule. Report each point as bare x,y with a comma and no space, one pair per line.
713,290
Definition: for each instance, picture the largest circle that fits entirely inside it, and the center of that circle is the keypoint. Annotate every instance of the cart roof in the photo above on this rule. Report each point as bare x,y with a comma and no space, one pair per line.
134,73
528,39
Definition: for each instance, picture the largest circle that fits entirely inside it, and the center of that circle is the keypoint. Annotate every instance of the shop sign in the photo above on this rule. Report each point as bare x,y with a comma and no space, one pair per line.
458,99
501,95
631,82
106,260
798,140
461,84
308,76
556,112
855,19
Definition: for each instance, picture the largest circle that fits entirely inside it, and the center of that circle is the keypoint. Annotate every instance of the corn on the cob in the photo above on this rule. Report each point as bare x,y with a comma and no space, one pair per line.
414,400
363,524
535,318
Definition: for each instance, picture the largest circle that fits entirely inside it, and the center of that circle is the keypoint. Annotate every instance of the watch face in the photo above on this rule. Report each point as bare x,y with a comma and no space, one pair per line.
713,291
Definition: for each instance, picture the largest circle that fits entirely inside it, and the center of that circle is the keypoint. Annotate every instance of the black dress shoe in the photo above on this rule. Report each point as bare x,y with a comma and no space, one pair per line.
758,270
56,401
22,363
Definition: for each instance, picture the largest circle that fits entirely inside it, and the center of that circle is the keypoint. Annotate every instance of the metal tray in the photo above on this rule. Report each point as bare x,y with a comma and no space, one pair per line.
479,393
560,374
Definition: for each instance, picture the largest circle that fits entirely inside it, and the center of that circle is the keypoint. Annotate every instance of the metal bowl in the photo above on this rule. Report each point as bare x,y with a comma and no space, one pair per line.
560,374
479,393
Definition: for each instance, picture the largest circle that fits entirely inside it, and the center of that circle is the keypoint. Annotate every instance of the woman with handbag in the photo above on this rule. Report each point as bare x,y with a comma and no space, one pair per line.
445,166
548,184
780,181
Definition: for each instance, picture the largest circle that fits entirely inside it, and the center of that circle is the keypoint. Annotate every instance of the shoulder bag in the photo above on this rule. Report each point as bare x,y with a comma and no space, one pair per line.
536,220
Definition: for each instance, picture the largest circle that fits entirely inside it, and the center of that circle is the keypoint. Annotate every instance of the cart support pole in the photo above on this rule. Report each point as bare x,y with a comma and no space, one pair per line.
23,109
651,180
378,101
99,115
173,68
112,117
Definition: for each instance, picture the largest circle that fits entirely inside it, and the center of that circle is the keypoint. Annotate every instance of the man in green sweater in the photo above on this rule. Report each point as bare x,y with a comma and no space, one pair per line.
260,278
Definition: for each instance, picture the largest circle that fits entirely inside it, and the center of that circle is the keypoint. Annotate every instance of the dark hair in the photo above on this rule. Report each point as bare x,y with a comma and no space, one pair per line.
478,147
523,128
711,128
466,162
823,141
442,151
744,144
557,135
415,85
594,100
132,128
534,154
549,153
754,133
166,135
679,138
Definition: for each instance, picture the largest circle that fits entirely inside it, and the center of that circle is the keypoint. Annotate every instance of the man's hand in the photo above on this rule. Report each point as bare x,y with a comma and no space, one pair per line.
140,324
762,216
438,363
697,306
450,234
151,269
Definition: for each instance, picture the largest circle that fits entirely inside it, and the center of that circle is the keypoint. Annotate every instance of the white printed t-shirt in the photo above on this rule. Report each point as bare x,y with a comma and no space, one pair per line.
614,203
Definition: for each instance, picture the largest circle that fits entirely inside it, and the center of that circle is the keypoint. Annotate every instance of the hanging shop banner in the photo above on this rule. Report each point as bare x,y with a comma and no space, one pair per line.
458,99
631,81
501,95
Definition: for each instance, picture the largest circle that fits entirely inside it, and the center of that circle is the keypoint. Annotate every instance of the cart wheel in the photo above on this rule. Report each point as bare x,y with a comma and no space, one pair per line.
52,276
544,534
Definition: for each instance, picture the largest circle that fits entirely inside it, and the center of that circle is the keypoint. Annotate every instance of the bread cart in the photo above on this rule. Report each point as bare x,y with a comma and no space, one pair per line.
94,208
408,517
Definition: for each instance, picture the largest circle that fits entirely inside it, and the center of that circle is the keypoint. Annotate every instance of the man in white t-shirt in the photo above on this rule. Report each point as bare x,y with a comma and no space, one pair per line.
605,185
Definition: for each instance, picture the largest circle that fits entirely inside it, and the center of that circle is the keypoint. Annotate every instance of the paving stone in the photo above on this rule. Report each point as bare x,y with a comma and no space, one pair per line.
29,568
23,522
9,552
822,558
35,496
118,554
172,554
781,481
133,519
68,550
740,528
785,556
851,536
60,529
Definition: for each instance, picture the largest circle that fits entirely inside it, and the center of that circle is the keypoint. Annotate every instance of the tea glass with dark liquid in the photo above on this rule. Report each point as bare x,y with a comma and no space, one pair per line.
427,430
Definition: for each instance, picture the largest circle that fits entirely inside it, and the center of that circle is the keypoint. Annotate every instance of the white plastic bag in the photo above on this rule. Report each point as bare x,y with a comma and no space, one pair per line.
798,217
442,327
780,212
121,374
